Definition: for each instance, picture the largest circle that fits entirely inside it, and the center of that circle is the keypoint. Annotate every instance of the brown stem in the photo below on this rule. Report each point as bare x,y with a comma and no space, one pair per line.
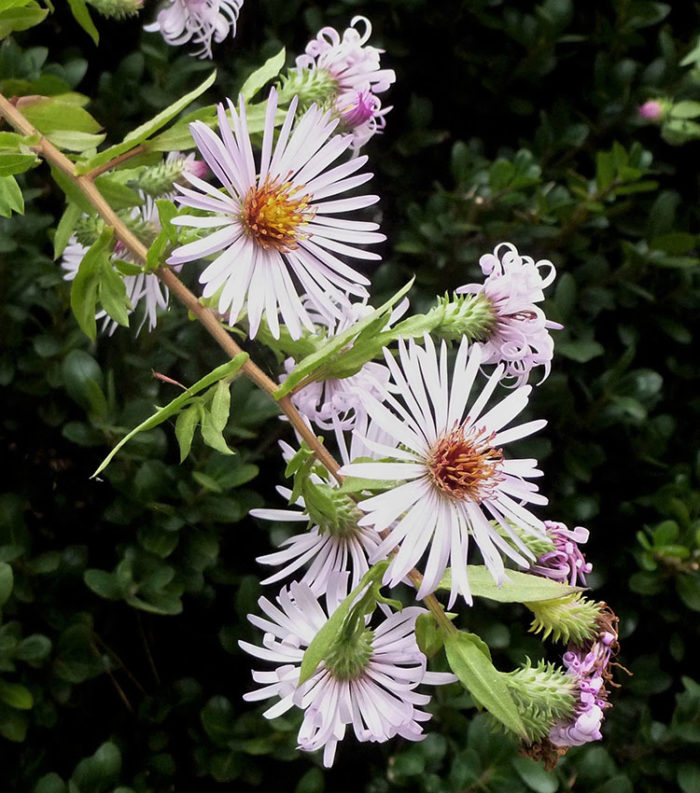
95,172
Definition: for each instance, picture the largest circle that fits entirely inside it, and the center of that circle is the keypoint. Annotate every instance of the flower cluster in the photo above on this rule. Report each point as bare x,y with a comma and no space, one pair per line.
431,489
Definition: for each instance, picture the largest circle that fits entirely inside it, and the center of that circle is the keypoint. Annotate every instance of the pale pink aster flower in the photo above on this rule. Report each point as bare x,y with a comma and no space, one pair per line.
378,699
143,287
565,562
354,67
326,551
520,338
200,21
273,220
453,478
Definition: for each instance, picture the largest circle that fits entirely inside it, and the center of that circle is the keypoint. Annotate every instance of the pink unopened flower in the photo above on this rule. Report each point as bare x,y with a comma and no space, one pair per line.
273,219
520,337
200,21
374,692
565,563
651,110
447,457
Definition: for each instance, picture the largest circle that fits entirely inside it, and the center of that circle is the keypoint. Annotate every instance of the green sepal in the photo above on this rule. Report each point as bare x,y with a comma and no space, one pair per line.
144,131
226,370
268,71
321,643
517,588
333,359
470,660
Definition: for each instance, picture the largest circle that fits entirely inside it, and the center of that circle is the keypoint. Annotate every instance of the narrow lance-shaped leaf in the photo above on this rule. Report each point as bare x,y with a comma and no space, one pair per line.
467,659
316,651
334,346
84,289
147,129
517,588
268,71
225,370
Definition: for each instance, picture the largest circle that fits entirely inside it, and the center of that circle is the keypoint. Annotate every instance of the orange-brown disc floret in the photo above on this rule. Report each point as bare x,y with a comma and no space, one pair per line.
273,214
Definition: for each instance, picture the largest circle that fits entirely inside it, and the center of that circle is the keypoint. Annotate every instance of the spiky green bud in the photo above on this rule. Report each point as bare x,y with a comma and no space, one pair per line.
569,619
158,180
543,694
462,315
117,9
317,86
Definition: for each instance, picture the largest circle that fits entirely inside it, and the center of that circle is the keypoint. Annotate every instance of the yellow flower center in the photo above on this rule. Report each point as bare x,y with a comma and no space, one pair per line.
464,466
273,214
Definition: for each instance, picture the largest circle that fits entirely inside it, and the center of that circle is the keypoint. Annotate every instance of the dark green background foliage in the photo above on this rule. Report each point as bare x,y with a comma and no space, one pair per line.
123,598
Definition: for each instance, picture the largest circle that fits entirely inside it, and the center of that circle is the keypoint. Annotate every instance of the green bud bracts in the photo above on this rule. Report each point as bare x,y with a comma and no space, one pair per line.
543,694
348,655
117,9
159,179
331,510
569,619
310,85
462,315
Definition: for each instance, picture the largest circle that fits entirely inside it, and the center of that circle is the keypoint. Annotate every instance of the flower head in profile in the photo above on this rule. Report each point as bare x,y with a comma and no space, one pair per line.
589,665
275,232
354,75
145,288
199,21
368,683
520,337
564,562
324,550
453,478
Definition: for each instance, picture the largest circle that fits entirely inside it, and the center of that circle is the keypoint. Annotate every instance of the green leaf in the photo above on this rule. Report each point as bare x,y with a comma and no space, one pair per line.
212,434
15,18
429,637
50,783
16,695
141,133
6,582
685,109
98,773
11,199
517,588
65,228
84,289
185,425
317,649
72,191
481,678
16,163
335,346
103,584
228,369
168,234
268,71
51,113
82,16
534,776
221,405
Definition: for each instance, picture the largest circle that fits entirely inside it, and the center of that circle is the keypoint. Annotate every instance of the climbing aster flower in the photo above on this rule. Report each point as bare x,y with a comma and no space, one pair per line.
565,562
143,287
453,478
273,219
325,550
370,685
353,69
519,338
199,21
